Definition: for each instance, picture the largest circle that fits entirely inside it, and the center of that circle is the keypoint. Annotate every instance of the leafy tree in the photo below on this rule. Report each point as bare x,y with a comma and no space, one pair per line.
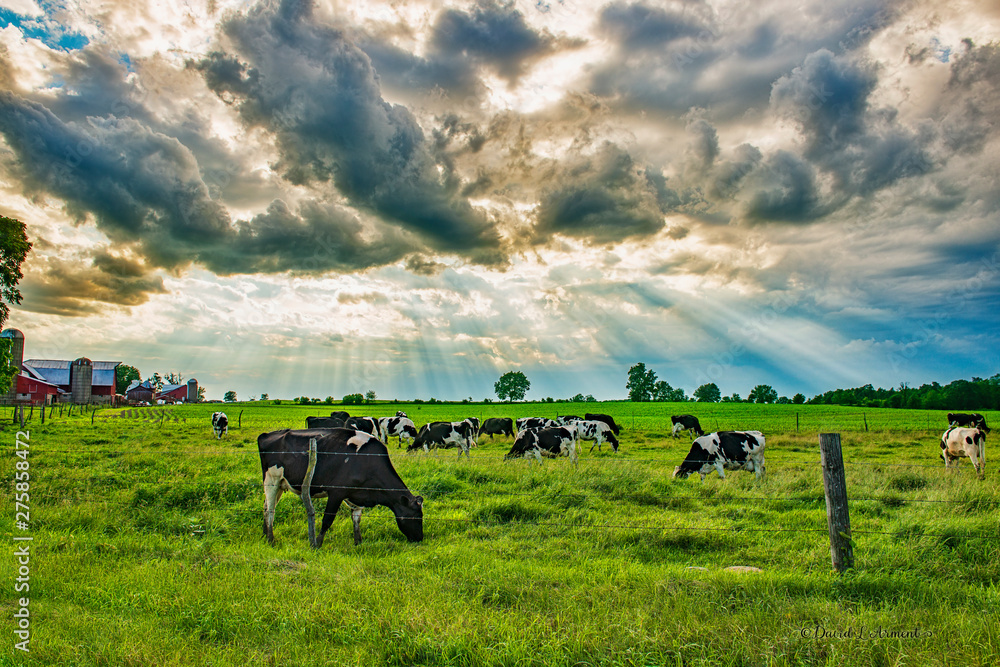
14,247
662,391
201,393
124,375
708,393
784,400
157,381
329,400
512,386
263,397
735,398
798,399
173,378
641,383
762,393
578,399
370,396
354,399
590,399
230,396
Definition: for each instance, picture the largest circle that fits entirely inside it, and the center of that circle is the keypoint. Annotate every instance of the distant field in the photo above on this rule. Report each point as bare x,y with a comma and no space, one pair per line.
634,416
147,548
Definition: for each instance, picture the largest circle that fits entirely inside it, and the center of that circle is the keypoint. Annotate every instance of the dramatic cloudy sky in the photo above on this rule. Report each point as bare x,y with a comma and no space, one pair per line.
415,197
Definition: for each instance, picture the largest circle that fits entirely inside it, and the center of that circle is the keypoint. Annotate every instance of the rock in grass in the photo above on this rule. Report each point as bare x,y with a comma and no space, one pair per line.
743,568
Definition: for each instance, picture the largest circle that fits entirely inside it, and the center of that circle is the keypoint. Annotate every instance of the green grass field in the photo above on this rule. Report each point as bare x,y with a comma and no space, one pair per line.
147,548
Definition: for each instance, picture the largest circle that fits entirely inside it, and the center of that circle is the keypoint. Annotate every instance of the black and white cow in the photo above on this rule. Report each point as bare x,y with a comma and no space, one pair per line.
498,426
444,435
686,423
400,413
325,422
595,431
551,442
525,423
958,442
566,420
340,414
724,450
351,467
474,422
366,424
220,424
971,420
401,427
607,419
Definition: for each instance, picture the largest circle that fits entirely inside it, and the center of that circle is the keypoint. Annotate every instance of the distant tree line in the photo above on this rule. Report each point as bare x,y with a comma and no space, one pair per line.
975,394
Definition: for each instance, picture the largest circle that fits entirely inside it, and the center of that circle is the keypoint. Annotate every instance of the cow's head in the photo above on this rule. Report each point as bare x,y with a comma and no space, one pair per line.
409,431
613,440
680,473
410,517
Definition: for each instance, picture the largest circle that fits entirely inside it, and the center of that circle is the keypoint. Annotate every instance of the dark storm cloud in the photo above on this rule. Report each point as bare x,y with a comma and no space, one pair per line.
144,190
973,98
139,185
318,93
638,26
71,288
604,198
686,55
316,238
784,191
494,34
865,148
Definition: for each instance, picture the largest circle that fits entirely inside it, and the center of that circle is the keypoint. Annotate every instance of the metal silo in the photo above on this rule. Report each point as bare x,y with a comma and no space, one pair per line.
16,356
81,380
192,396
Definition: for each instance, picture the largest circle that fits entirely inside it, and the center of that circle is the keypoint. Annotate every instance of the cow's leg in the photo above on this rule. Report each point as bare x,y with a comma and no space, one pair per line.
572,453
538,455
976,463
272,494
356,518
329,514
721,469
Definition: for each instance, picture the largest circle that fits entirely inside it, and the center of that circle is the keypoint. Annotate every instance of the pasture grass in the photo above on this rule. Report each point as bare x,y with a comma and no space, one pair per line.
148,550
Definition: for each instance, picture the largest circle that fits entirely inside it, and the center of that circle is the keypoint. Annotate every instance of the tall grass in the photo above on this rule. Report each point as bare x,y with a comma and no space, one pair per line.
148,550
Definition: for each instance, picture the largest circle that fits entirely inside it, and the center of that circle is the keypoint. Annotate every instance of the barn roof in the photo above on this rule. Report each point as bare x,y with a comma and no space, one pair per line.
56,371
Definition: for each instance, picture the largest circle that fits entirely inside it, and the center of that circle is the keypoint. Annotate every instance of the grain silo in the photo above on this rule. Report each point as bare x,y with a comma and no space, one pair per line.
192,396
16,356
81,377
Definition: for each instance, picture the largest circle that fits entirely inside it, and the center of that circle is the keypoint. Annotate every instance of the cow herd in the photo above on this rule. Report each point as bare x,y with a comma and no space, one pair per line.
353,465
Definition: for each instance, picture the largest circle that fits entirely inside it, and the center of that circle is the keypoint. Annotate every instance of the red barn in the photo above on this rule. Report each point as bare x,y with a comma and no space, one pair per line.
39,392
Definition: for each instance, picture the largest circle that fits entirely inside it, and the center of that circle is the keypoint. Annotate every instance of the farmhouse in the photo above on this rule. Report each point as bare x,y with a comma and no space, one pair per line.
145,392
49,380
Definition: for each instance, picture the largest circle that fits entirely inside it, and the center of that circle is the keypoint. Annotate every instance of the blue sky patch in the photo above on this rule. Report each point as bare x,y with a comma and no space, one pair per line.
45,30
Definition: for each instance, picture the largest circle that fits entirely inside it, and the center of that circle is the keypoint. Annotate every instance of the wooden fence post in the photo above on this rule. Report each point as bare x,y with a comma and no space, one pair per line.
43,413
239,422
306,493
837,517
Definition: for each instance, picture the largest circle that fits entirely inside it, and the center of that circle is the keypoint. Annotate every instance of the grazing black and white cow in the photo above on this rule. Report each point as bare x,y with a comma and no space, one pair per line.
525,423
325,422
220,424
498,426
607,419
400,413
444,435
551,442
401,427
724,450
566,420
686,423
351,467
340,414
958,442
971,420
595,431
474,422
